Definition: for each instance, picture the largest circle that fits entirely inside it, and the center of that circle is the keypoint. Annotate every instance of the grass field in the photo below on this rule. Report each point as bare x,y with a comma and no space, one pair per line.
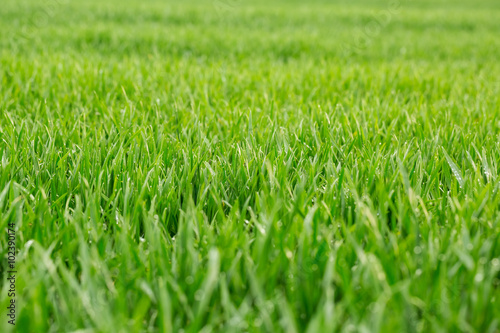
235,166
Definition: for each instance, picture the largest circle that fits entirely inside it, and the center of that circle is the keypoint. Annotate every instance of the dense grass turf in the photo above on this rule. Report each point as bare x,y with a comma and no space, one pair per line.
268,166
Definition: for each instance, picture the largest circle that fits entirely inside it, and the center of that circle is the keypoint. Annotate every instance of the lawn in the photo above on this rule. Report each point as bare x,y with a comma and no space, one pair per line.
250,166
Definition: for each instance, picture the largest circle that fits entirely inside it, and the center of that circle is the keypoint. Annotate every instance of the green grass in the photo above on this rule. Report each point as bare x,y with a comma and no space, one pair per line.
262,166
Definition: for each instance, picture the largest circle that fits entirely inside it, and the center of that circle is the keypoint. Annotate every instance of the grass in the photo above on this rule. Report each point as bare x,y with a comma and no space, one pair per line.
235,166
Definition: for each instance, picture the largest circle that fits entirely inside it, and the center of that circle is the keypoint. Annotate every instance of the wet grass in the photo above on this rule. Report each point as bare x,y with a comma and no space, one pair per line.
231,166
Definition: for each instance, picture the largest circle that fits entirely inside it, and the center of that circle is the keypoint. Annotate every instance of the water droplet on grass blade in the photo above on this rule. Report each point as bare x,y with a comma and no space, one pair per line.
454,169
